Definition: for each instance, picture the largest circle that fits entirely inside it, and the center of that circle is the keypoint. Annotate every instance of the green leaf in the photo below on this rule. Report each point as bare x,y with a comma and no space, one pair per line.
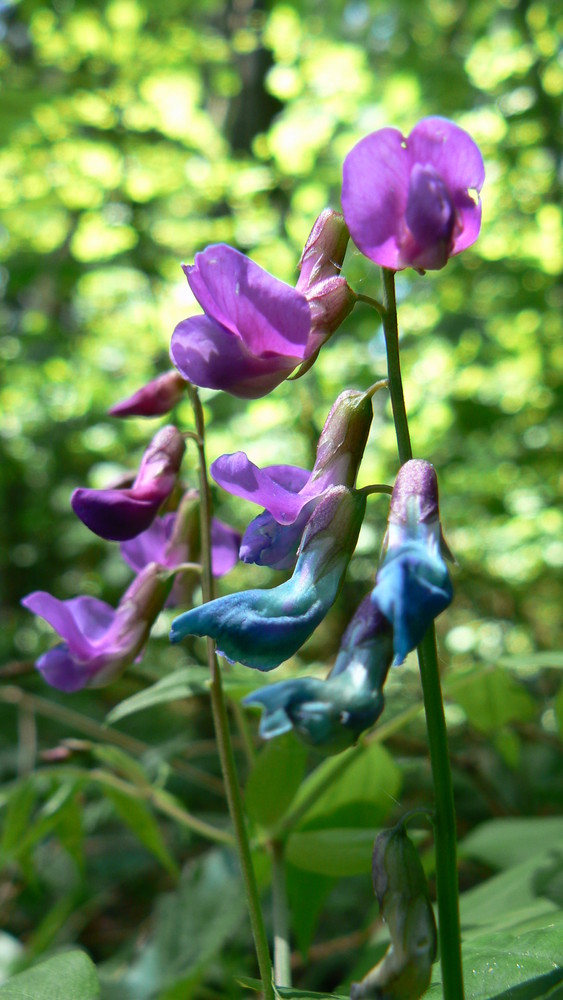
139,818
508,898
274,779
17,820
72,975
183,683
520,963
360,795
190,926
336,852
122,763
493,698
505,842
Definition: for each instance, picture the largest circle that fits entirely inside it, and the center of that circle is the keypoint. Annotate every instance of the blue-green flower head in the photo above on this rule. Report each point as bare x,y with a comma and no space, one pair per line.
330,715
413,585
262,628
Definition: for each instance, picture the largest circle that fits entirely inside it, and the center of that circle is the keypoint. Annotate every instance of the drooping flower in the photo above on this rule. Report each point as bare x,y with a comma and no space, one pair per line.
262,628
98,640
402,893
289,493
413,584
120,514
414,202
330,715
254,329
154,399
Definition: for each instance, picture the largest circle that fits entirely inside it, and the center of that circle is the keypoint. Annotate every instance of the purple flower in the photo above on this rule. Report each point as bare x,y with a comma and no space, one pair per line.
414,202
171,540
413,584
289,493
262,628
98,641
254,329
120,514
153,399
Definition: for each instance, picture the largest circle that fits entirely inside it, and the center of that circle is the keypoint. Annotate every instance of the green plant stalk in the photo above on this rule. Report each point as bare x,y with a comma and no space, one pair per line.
221,722
445,825
282,949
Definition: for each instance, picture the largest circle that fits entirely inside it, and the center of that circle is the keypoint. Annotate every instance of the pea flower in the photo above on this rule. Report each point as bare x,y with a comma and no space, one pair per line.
289,493
402,893
414,202
120,514
413,584
330,715
154,399
262,628
98,640
254,329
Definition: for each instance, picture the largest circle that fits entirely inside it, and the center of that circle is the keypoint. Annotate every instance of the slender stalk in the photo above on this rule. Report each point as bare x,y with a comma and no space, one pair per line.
221,722
391,331
282,949
445,825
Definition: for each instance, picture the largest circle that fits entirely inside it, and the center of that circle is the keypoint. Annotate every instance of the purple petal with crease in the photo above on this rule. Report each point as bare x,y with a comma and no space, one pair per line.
242,297
374,194
265,487
81,621
207,354
150,545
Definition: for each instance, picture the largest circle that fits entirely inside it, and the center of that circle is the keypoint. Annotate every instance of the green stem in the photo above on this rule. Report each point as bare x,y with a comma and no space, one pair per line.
221,722
282,949
391,331
445,827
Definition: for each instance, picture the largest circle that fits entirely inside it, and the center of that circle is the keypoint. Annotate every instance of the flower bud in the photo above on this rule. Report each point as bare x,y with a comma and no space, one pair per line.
154,399
402,893
120,514
413,584
329,296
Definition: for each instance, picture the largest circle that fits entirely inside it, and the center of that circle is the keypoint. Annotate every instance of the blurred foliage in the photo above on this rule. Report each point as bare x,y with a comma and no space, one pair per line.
135,133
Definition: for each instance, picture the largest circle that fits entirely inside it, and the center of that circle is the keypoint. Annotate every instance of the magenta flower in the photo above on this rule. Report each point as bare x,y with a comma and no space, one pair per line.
154,399
289,493
254,329
98,641
120,514
414,202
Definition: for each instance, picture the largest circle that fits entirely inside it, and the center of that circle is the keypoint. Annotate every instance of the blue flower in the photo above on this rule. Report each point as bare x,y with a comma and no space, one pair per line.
330,715
413,585
262,628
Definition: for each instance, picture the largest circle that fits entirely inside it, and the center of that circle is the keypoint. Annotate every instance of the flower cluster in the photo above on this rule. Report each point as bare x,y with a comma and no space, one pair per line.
407,202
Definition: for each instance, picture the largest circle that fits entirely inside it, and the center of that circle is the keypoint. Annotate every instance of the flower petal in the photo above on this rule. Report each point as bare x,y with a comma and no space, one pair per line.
269,315
272,487
225,544
81,622
374,194
117,515
209,355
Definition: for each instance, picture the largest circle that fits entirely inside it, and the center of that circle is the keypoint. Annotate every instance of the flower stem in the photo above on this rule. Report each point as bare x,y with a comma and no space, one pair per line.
445,824
282,950
391,331
221,722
